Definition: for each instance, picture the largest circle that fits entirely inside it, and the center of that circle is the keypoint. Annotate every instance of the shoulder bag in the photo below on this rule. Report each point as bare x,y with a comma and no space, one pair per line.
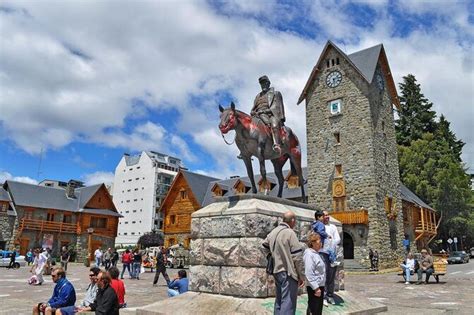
270,259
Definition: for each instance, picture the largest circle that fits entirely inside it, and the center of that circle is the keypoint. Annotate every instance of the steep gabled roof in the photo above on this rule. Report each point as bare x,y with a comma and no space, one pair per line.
4,195
86,193
410,196
364,62
29,195
198,184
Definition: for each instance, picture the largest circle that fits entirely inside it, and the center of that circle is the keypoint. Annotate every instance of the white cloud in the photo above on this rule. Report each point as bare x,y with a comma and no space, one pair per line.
4,176
69,70
98,178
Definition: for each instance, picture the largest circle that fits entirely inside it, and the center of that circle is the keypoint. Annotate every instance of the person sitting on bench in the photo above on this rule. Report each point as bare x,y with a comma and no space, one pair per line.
426,266
408,267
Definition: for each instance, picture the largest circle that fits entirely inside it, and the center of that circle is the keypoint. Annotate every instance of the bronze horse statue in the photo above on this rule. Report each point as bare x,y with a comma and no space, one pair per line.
254,138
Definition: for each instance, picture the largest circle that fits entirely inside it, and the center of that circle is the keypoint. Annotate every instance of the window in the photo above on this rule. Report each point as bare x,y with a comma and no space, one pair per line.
337,61
383,126
135,199
137,178
184,194
138,167
133,222
125,233
332,62
128,190
128,200
337,137
136,189
134,211
338,170
335,106
339,204
327,63
130,180
100,223
133,233
130,169
126,222
50,216
172,219
127,211
385,157
67,218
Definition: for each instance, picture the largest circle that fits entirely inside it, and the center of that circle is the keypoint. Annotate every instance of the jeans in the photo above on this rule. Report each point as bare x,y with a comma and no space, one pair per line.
97,262
407,272
286,294
330,276
172,292
64,265
428,271
136,270
126,266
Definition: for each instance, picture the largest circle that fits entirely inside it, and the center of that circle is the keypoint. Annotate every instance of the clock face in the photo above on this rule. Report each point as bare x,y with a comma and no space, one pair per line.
334,79
379,80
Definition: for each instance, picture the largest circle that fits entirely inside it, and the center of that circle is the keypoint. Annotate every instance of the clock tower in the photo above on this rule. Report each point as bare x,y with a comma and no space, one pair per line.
352,152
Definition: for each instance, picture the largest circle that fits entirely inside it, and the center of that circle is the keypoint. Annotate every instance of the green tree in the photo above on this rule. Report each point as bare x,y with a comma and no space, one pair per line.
443,130
432,171
151,239
415,114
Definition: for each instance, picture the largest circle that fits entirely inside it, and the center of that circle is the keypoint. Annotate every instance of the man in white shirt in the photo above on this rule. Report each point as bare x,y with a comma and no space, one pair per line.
98,257
331,244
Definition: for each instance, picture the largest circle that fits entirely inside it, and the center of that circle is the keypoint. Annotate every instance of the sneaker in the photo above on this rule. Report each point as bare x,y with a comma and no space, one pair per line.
331,300
335,264
325,303
407,282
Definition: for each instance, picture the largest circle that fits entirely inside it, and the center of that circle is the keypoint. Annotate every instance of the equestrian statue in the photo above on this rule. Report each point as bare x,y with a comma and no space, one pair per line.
264,135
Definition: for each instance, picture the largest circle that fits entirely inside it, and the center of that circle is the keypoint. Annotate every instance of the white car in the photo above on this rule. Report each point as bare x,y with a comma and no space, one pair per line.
5,259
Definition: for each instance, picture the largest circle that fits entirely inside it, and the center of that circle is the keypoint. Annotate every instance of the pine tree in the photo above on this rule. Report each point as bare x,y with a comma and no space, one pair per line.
415,114
443,130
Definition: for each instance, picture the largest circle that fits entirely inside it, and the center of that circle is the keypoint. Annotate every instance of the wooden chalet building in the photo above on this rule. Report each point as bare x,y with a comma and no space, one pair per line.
185,196
55,217
420,220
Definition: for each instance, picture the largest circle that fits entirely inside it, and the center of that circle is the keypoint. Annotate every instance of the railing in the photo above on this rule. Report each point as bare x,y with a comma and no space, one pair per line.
427,223
351,216
48,226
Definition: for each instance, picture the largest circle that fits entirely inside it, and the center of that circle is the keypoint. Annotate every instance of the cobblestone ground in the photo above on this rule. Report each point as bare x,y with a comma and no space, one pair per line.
453,295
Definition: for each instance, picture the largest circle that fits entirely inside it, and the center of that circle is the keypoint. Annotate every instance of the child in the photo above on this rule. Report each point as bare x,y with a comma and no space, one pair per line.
318,227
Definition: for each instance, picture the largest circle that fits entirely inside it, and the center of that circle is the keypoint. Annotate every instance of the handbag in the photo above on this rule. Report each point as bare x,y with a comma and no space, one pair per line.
270,259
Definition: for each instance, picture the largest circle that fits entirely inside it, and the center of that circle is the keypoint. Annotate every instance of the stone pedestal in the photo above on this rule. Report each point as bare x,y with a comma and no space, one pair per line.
226,250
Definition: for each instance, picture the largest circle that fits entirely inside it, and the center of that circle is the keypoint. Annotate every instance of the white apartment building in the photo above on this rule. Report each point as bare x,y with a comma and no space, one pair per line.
140,184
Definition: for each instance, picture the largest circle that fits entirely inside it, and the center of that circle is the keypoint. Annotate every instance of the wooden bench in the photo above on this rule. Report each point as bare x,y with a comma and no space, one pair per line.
439,267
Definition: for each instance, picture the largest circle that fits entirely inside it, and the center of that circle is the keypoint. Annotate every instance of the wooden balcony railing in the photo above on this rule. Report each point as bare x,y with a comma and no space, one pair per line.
351,216
47,226
427,223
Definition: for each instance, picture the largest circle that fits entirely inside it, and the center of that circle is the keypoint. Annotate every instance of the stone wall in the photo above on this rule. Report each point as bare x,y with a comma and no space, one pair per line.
367,153
7,223
227,255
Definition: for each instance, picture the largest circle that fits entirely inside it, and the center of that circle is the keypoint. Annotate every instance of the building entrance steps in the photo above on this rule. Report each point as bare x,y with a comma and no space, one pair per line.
203,303
353,265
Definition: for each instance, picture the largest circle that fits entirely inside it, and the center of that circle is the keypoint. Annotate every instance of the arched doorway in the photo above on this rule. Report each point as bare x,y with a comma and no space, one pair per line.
348,245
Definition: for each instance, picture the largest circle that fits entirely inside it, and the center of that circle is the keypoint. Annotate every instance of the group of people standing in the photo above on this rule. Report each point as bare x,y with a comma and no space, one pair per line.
294,266
107,258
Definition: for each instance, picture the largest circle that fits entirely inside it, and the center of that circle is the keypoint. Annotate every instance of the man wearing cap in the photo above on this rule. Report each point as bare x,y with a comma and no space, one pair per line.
268,106
426,265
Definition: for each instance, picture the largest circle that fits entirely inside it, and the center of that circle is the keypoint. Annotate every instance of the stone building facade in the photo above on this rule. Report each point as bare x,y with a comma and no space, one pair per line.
352,153
7,220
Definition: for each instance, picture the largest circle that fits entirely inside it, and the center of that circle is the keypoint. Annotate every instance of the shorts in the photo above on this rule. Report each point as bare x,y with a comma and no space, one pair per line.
68,310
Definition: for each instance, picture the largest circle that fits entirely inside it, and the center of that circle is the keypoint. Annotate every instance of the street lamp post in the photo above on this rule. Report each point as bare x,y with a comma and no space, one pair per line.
90,231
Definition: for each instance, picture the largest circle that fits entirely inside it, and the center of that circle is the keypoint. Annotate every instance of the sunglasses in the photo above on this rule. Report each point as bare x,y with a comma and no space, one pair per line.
92,275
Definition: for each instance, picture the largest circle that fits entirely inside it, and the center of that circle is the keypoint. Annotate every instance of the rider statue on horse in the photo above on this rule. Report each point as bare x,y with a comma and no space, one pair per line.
268,106
263,135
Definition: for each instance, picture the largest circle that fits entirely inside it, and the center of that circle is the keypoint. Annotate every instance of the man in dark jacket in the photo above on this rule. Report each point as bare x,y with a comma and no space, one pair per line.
161,267
63,294
106,301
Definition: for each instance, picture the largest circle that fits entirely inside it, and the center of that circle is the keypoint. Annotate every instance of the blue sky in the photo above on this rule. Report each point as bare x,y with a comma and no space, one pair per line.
83,82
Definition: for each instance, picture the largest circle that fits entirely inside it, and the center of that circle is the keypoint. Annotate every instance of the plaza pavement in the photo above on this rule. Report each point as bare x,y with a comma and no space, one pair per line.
453,295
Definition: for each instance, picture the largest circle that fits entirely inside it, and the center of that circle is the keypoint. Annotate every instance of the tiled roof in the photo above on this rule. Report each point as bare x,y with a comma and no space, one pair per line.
409,196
